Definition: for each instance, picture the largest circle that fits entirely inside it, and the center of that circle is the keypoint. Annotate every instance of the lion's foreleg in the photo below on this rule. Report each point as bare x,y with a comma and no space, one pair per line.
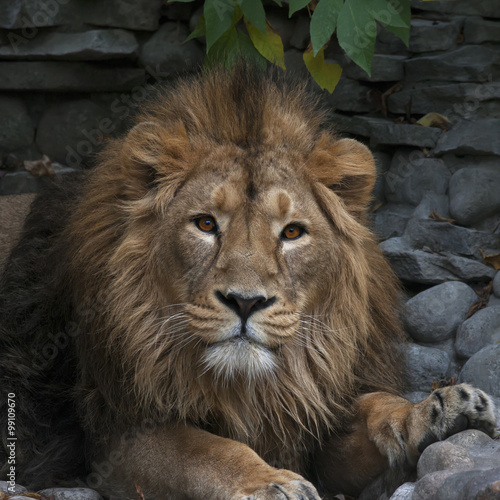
389,433
179,462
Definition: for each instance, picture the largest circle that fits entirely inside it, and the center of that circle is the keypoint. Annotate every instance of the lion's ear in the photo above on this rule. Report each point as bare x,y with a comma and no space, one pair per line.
155,154
347,167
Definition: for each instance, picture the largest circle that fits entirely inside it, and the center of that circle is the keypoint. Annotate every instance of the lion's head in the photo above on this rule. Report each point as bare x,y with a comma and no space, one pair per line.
239,287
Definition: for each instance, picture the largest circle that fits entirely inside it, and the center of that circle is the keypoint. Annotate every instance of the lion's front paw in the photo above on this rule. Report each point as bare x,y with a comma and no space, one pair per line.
453,409
284,486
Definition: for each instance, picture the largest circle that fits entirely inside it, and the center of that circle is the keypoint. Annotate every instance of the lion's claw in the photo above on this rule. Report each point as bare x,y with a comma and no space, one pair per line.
296,489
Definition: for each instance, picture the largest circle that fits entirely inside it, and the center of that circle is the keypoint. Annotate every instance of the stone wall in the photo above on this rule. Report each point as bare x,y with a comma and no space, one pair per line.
72,75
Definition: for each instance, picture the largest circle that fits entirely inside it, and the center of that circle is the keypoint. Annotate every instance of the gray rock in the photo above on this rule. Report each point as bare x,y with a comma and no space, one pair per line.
432,202
301,35
480,330
418,266
464,485
383,163
427,487
423,366
469,63
443,455
483,370
385,68
496,284
136,15
68,76
180,11
86,46
356,125
479,137
455,163
411,178
167,52
9,12
445,237
479,30
392,134
350,96
18,489
496,402
388,43
416,396
490,224
435,314
485,8
474,194
461,100
427,35
71,494
17,130
72,132
390,220
493,301
404,492
24,182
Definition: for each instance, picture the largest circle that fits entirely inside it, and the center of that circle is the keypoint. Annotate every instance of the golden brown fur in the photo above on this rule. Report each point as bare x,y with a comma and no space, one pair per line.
241,350
120,233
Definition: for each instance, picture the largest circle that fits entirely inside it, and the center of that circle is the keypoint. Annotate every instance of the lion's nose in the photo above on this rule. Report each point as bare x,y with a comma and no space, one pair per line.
244,307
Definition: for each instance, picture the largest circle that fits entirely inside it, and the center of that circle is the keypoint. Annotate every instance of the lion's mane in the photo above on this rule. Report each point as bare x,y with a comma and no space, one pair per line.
93,260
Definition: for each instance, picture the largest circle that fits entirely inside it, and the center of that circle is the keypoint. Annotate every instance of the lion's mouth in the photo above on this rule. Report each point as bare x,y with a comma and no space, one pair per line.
241,340
239,355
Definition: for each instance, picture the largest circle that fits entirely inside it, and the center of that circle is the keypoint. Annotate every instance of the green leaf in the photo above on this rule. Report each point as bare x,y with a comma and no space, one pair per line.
326,74
199,30
296,5
278,2
253,10
356,32
231,47
269,45
218,19
324,22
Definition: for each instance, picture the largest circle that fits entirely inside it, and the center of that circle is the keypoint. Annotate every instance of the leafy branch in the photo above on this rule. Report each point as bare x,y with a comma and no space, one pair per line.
235,28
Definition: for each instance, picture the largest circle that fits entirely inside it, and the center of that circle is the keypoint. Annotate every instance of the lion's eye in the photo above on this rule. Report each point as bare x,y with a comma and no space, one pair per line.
206,223
292,232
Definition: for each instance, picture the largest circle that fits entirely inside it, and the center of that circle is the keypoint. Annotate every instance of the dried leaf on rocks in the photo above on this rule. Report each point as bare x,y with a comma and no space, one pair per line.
33,495
434,215
139,492
484,297
40,168
434,120
437,384
3,496
492,259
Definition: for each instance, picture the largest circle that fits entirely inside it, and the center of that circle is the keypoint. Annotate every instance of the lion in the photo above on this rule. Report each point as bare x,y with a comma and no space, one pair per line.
207,314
